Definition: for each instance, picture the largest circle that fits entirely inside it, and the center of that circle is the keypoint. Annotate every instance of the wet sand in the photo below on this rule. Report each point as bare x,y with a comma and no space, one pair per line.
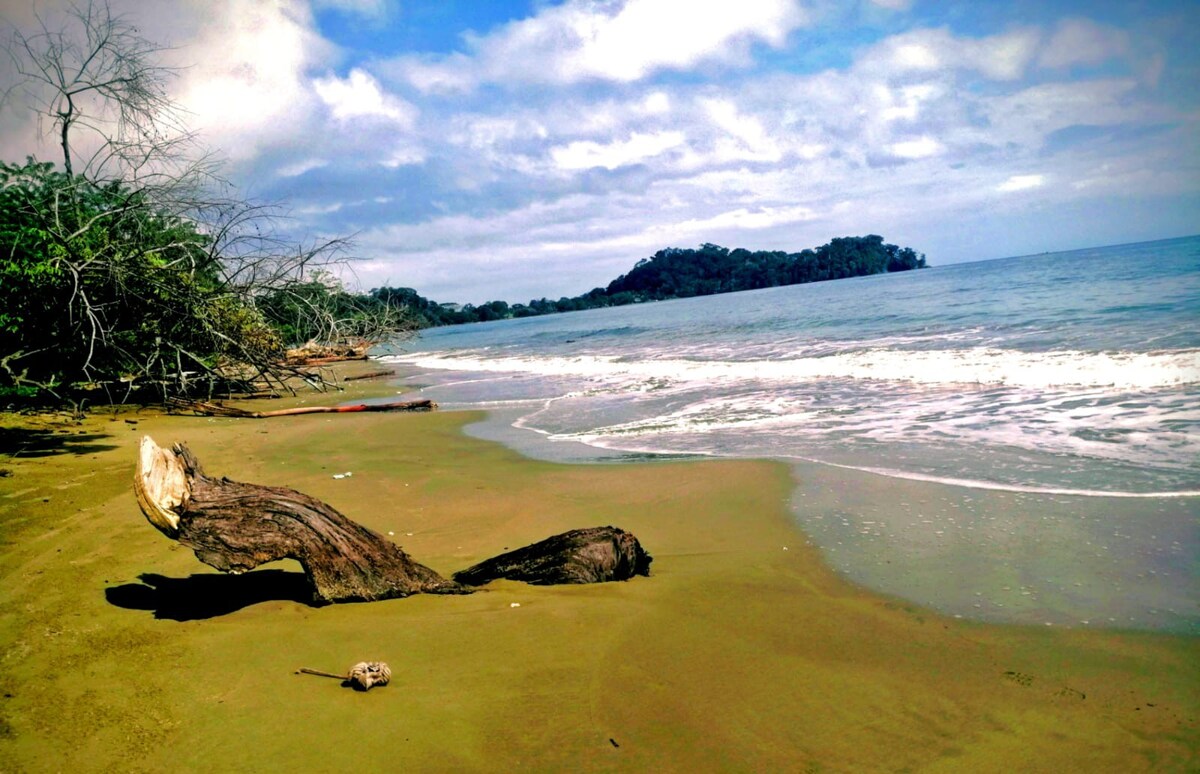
119,651
1010,557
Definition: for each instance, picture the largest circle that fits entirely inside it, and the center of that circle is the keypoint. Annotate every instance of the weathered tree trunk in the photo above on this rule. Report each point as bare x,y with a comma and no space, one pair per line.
593,555
235,527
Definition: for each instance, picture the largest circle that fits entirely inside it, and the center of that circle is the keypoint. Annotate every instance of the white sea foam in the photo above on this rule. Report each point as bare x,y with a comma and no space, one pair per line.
981,366
615,407
1126,410
614,444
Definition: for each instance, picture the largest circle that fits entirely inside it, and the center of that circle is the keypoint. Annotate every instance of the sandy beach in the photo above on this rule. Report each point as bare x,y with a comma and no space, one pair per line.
743,651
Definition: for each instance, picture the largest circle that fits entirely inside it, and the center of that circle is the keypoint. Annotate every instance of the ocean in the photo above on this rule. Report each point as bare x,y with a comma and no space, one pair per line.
1068,379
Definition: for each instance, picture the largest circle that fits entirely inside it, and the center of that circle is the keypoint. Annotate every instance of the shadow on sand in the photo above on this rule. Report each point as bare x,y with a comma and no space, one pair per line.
31,442
207,595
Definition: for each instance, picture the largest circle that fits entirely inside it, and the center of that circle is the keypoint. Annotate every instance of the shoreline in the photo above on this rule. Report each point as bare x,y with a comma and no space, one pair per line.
734,654
600,453
1102,561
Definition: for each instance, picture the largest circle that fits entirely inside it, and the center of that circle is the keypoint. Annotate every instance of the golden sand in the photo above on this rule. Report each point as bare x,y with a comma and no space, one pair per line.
736,655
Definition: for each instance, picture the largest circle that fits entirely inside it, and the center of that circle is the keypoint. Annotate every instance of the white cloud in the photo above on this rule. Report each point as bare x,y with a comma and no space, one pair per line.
243,80
402,154
657,102
359,96
1021,183
631,43
609,41
570,133
586,154
1002,57
920,148
1082,41
750,140
297,168
1028,115
909,106
744,218
318,209
916,56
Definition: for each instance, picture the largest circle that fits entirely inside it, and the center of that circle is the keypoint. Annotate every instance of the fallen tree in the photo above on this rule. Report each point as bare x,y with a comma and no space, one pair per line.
235,527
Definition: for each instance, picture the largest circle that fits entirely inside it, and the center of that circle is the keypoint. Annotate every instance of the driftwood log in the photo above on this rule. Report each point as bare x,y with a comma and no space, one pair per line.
218,410
593,555
235,527
369,375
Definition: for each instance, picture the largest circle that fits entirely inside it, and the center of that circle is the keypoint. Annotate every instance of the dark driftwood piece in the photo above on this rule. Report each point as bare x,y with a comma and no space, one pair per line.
369,375
310,361
236,527
215,409
593,555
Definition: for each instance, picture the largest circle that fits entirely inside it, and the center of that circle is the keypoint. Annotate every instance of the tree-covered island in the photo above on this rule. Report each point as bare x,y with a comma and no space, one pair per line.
683,273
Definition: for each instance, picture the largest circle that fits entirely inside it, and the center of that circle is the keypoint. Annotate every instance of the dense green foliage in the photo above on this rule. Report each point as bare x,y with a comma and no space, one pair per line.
99,285
131,269
683,273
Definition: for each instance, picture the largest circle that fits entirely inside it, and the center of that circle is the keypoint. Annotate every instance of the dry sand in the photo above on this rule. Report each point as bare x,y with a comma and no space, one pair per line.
119,651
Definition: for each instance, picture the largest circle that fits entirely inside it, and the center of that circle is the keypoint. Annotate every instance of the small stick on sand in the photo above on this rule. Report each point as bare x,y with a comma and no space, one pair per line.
361,676
319,673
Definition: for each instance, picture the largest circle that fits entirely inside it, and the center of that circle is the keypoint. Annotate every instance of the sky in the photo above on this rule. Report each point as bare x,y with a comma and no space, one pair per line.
479,150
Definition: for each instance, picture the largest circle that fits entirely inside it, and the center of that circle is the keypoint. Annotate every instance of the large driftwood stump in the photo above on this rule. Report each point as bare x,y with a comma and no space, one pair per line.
594,555
235,527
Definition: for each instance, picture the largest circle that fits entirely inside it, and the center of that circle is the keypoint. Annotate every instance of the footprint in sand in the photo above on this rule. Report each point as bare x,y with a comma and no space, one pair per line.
1026,680
1020,678
1070,693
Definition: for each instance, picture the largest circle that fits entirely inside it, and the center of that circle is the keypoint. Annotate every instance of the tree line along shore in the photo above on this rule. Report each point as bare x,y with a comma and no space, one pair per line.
116,285
103,286
684,273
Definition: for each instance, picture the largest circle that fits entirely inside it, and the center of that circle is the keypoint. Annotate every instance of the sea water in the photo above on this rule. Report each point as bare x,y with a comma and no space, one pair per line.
1069,375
